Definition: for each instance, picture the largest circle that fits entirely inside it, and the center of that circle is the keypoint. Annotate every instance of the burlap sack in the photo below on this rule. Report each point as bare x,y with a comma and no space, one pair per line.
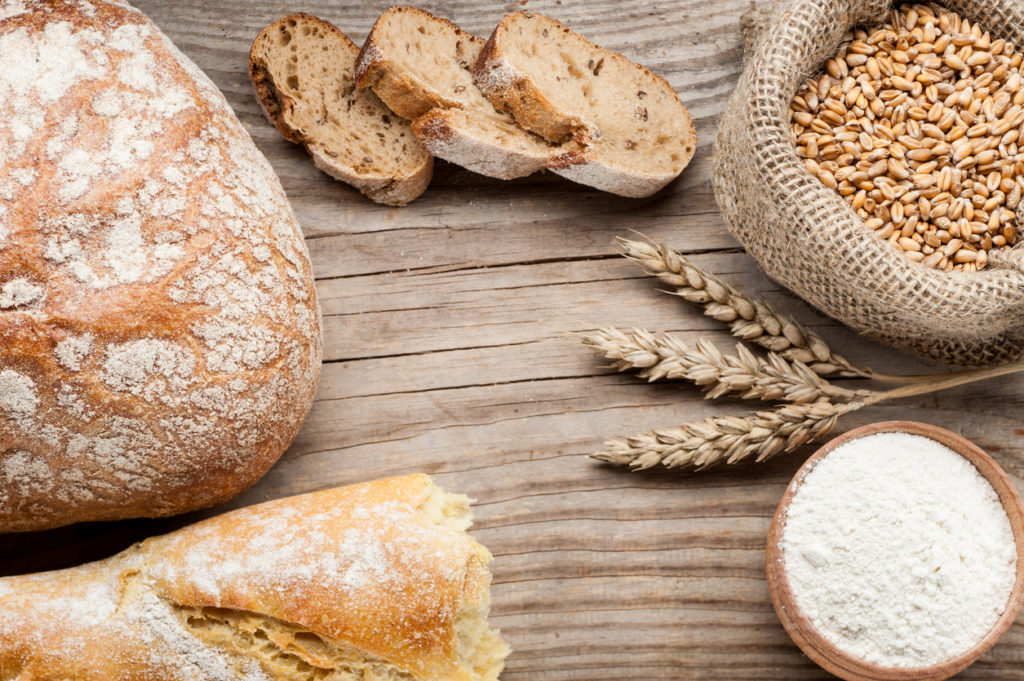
808,239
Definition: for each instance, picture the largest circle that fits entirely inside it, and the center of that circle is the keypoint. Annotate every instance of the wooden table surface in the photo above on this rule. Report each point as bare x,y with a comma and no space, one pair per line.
449,348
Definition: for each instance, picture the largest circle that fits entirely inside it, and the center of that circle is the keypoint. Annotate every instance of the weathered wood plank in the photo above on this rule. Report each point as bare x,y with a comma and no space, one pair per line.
449,338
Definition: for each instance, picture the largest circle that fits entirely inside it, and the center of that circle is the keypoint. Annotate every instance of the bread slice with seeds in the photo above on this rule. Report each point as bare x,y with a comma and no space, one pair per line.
301,68
634,134
421,66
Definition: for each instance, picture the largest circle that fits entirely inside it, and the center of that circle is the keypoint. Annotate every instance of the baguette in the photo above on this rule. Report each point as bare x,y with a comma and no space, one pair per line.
301,69
421,66
159,329
634,134
373,581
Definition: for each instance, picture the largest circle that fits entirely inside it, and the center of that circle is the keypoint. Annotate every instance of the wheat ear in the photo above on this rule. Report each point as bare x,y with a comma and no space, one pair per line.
749,318
657,356
728,439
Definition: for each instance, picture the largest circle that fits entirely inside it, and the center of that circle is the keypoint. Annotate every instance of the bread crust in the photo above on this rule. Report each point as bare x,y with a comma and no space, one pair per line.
592,173
371,570
386,190
447,134
160,333
403,92
510,89
278,107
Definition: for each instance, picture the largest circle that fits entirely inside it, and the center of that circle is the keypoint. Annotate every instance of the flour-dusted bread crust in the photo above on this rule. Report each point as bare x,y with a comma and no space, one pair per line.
302,71
421,66
159,328
482,145
376,581
633,133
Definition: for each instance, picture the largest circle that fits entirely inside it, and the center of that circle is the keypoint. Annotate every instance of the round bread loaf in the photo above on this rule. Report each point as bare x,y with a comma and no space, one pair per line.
159,330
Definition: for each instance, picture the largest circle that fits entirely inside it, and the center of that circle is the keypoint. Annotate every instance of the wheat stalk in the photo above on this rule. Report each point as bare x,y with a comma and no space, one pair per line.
749,318
793,371
728,439
657,356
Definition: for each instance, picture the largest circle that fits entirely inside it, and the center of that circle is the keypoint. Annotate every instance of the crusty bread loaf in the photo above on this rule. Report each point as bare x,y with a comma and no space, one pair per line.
421,66
159,329
634,134
370,582
301,68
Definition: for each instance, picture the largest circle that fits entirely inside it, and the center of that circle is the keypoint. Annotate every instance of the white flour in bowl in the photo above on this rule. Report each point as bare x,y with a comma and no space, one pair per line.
898,550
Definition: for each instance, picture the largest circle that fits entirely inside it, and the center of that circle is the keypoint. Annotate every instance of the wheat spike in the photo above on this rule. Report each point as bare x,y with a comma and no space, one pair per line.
749,318
763,434
657,356
727,439
793,371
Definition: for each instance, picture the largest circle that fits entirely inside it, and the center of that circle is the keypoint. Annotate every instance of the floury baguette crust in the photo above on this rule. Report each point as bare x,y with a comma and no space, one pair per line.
375,581
159,328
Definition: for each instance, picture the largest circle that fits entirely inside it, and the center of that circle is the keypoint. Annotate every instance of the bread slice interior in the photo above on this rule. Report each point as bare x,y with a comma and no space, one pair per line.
560,85
302,70
422,65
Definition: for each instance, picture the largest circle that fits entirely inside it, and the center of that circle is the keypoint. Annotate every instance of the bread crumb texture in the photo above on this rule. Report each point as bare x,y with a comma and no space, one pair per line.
634,134
159,330
421,66
364,583
302,71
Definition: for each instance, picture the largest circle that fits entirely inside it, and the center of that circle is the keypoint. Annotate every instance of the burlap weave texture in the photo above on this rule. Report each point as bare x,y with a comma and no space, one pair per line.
808,239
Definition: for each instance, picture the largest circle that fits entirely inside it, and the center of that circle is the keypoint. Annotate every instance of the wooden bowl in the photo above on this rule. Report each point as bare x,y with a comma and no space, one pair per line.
825,653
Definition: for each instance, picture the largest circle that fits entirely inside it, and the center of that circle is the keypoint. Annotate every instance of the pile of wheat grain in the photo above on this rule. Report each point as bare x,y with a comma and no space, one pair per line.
916,124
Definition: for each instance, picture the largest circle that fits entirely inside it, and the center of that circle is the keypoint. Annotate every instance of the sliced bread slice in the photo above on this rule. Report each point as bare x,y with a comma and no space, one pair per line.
634,134
421,66
301,68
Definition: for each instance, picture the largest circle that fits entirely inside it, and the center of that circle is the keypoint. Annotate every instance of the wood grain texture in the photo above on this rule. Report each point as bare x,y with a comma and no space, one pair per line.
449,350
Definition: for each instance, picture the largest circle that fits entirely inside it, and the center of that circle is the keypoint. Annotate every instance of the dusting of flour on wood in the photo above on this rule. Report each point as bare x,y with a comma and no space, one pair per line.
149,263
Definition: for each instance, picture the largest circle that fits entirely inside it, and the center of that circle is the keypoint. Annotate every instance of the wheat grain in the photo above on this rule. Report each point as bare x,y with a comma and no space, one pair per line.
657,356
749,318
